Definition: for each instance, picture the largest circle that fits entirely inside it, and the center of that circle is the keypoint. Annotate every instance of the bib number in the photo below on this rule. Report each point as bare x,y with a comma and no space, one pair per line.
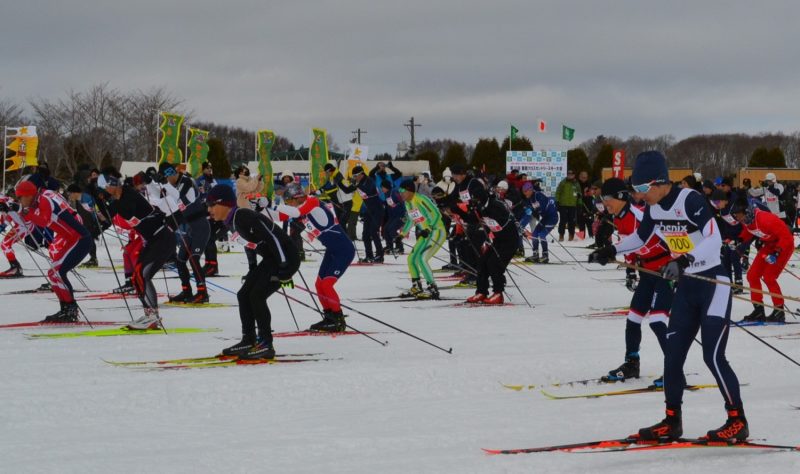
242,241
416,216
464,195
492,224
679,242
311,231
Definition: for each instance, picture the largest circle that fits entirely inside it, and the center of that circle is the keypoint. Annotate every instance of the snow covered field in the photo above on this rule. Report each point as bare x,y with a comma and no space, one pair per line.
407,407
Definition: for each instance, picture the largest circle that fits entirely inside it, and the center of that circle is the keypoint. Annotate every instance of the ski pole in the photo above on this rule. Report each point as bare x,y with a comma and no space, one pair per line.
761,340
449,351
290,309
111,261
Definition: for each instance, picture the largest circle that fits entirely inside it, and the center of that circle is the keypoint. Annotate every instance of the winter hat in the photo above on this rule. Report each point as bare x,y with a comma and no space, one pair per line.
458,169
770,177
25,188
503,185
447,173
650,166
221,194
527,186
614,188
719,195
166,169
386,184
357,170
708,184
726,182
408,185
329,167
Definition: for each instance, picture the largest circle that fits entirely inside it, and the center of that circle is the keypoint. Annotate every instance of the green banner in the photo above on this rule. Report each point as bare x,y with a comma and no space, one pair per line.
170,135
264,141
317,157
567,133
198,151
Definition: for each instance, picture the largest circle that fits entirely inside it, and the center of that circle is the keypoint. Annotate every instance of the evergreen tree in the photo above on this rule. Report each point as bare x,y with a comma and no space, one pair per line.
578,161
218,158
520,143
434,165
456,153
487,154
604,159
767,158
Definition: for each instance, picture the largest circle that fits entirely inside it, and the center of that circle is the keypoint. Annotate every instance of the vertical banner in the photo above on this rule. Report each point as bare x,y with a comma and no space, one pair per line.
198,151
567,133
24,144
549,166
317,157
170,128
618,164
264,141
357,152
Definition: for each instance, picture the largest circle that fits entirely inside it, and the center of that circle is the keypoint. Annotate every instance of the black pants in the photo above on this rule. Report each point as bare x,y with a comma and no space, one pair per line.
585,220
493,264
566,220
192,237
371,234
152,257
260,282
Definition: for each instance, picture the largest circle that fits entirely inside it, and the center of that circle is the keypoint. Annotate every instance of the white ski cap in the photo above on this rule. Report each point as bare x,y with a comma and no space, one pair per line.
771,177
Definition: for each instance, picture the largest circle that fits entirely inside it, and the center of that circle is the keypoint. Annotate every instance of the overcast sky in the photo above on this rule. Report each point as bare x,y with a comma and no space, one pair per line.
463,69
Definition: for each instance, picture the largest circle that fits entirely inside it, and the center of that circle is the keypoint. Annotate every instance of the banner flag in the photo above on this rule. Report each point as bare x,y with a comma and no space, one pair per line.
24,144
198,151
170,135
357,152
567,133
542,127
618,164
264,141
317,157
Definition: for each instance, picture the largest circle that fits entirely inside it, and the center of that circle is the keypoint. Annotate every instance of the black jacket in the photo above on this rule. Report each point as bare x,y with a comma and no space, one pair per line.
271,242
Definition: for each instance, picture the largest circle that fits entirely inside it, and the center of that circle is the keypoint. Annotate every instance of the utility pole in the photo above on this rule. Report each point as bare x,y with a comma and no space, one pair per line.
357,134
411,126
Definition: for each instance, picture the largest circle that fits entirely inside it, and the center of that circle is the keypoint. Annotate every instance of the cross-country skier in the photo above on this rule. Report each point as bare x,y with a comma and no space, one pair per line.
373,213
279,261
45,208
683,220
321,224
777,247
131,210
543,208
652,297
422,215
193,231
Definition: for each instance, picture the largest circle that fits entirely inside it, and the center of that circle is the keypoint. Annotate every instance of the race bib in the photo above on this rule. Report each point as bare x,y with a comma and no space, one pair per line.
600,207
416,216
729,219
311,231
390,202
757,233
771,199
242,241
362,194
678,242
464,195
133,221
492,224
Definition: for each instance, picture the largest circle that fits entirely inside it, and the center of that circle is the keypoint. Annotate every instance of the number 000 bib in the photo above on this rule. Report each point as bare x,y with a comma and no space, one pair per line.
678,242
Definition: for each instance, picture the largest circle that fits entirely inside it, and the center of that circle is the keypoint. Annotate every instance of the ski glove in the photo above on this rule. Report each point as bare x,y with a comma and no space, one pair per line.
424,233
631,281
287,283
674,269
771,258
603,255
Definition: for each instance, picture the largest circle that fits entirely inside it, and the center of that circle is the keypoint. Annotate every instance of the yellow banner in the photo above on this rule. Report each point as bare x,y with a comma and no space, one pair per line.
24,144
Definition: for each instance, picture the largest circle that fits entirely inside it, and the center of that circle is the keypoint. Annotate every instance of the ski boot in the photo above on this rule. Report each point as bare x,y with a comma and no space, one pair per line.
495,298
451,267
669,429
738,291
242,347
545,258
468,281
15,271
261,350
331,322
125,288
757,315
44,287
659,382
734,429
628,370
378,259
149,321
431,293
185,296
211,268
416,288
476,298
91,263
69,313
55,317
777,316
533,258
201,297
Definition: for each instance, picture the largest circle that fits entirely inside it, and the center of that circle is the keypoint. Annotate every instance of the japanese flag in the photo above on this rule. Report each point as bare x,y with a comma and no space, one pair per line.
542,127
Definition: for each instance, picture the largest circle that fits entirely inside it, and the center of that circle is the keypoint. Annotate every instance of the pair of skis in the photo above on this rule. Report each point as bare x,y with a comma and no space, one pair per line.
632,443
215,361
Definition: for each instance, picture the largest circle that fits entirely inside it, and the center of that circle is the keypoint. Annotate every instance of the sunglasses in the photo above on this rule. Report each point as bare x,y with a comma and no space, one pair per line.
643,188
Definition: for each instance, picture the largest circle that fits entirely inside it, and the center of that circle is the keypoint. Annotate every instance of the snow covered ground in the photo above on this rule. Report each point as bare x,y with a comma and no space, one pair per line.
407,407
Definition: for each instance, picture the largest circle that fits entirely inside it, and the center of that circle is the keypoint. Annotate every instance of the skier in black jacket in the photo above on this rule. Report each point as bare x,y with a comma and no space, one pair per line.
280,260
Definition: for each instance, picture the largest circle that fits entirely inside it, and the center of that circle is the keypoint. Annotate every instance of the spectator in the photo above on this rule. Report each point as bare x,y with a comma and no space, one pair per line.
771,194
567,196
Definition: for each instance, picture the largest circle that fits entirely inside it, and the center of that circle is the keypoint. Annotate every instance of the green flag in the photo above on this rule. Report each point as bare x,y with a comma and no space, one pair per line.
318,156
264,141
170,134
198,151
514,132
567,133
